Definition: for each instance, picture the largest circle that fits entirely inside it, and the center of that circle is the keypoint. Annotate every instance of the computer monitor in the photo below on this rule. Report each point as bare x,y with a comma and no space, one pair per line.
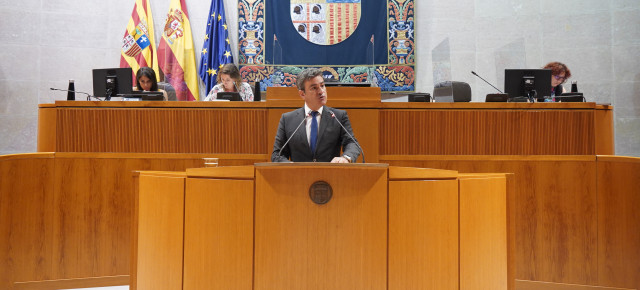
110,82
144,96
532,84
231,96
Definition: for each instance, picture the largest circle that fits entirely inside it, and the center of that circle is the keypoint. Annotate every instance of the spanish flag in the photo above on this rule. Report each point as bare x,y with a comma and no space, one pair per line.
138,43
176,54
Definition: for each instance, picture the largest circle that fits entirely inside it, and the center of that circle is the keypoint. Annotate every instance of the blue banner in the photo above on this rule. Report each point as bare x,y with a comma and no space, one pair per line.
216,50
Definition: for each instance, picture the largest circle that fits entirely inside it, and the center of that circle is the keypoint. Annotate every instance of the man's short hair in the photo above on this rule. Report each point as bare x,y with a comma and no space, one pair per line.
306,75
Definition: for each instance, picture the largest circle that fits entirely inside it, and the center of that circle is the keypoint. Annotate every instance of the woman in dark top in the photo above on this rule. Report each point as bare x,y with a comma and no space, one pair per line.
559,74
146,81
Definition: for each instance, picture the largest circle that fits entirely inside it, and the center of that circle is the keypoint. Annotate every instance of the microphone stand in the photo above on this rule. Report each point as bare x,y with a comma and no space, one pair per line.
89,96
475,74
293,134
347,131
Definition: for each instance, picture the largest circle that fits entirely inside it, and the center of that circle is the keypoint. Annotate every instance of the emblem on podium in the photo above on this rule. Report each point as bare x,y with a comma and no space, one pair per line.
320,192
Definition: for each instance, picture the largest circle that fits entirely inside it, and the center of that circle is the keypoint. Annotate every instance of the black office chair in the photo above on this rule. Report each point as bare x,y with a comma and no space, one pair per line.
452,91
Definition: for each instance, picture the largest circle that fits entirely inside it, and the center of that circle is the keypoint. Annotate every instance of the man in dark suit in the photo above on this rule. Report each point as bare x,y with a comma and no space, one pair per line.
316,135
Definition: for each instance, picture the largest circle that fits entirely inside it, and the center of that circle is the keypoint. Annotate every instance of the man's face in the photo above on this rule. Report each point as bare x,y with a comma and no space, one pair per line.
314,93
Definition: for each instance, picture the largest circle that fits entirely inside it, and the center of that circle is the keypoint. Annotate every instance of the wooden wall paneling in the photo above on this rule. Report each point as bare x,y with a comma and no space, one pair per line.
511,230
541,285
135,218
47,128
218,241
604,131
483,232
619,221
555,210
423,234
94,199
486,132
336,97
77,283
365,125
162,130
160,232
26,192
338,245
273,120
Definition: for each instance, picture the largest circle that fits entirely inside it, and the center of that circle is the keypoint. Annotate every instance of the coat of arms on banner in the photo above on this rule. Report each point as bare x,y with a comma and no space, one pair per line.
136,41
174,26
325,22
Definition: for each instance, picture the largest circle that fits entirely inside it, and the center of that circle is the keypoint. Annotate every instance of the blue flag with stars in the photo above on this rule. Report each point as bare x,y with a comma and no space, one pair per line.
216,50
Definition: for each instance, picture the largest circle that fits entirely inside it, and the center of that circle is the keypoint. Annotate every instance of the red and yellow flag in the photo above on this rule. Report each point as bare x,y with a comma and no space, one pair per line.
176,53
138,43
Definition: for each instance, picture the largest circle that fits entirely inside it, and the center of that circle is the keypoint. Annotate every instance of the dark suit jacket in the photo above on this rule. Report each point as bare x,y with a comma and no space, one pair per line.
331,138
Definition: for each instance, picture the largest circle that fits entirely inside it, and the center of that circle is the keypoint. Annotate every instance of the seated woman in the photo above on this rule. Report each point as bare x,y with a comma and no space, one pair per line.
146,81
229,81
559,74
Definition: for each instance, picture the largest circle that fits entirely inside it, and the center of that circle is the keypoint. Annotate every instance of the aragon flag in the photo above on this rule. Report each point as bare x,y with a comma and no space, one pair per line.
138,43
176,53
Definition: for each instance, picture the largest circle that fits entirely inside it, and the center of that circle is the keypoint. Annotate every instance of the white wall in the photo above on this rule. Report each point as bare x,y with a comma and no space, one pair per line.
44,43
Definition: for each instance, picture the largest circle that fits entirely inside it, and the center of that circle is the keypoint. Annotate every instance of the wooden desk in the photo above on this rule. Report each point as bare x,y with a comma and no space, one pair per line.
253,227
575,218
382,128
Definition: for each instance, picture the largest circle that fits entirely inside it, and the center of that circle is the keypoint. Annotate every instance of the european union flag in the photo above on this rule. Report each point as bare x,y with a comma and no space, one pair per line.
216,50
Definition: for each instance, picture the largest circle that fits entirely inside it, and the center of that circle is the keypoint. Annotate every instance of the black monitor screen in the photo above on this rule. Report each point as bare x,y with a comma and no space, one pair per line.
528,83
231,96
110,82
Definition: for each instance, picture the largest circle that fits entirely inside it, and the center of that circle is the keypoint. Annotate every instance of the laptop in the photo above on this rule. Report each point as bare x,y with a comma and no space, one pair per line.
231,96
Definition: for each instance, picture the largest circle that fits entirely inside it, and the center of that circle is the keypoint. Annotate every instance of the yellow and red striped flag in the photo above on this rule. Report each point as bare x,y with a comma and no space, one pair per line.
138,43
176,54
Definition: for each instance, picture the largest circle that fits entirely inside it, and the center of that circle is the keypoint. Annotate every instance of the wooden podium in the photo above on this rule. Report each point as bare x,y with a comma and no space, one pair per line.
382,227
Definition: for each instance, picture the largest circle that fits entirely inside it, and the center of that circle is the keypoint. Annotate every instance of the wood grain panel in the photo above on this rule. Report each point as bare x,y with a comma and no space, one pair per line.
94,201
73,283
26,193
555,211
160,232
540,285
218,237
619,221
604,131
338,97
162,130
483,233
338,245
366,134
47,129
423,234
486,132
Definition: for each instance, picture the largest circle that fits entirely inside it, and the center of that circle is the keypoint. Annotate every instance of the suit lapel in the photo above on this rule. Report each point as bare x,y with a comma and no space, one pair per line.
324,122
302,132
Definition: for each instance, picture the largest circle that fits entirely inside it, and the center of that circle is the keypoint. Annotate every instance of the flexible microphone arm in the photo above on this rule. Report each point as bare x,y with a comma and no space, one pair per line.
89,96
475,74
350,136
294,133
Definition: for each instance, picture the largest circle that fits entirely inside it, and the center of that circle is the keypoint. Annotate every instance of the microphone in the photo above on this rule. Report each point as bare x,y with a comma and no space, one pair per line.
350,136
475,74
294,133
236,85
89,96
